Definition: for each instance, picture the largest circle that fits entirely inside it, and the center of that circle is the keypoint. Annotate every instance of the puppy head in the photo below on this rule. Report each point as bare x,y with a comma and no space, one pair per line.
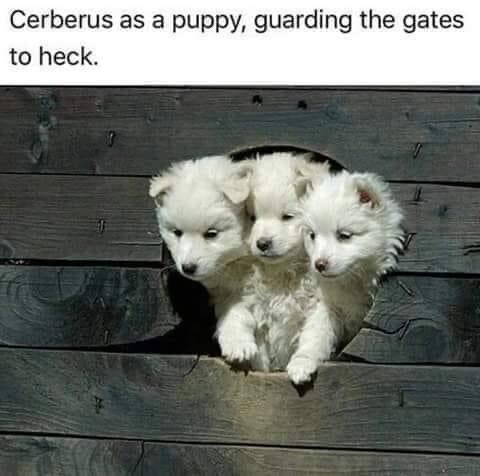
351,220
201,213
278,183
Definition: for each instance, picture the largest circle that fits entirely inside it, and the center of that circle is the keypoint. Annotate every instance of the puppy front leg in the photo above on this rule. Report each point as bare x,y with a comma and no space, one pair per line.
316,344
236,334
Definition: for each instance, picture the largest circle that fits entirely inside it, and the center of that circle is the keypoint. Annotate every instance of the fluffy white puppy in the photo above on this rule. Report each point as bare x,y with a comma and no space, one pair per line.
278,183
202,219
352,236
284,301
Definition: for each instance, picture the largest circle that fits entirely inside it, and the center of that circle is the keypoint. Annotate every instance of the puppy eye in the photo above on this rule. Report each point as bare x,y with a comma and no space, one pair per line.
311,234
210,233
177,232
252,217
287,216
343,235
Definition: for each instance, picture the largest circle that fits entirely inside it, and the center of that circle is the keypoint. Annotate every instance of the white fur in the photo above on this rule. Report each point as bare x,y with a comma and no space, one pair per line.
197,196
282,297
274,310
360,206
278,182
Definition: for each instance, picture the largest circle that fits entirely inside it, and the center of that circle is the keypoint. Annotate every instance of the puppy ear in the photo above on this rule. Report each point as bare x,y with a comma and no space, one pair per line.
237,186
159,187
371,189
309,172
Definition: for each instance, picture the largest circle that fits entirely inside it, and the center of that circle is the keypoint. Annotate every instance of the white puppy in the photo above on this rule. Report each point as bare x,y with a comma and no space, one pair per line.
284,298
278,182
352,236
202,219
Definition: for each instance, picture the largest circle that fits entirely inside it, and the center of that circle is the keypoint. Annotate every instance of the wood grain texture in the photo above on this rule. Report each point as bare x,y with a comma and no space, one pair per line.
422,319
82,218
414,319
403,135
81,306
180,399
186,460
40,456
442,222
112,218
43,456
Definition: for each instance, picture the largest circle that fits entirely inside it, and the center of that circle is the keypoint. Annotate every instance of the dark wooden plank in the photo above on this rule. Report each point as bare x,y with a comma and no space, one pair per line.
82,306
414,318
182,399
422,319
403,135
179,460
78,218
112,218
40,456
442,223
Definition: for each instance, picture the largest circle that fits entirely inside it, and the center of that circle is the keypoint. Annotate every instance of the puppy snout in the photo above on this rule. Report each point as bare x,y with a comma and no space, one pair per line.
264,244
321,265
189,268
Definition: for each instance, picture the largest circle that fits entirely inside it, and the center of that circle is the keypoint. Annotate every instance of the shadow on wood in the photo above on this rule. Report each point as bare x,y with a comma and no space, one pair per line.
417,319
81,306
99,307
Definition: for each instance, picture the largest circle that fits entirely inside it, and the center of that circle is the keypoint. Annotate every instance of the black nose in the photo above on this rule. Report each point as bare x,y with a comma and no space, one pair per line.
263,244
321,264
189,268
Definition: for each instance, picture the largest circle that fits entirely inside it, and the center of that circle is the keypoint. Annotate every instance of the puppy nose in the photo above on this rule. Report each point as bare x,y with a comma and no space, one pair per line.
321,265
189,268
263,244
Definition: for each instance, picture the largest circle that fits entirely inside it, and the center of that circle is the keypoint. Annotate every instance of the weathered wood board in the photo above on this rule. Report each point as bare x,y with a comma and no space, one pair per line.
182,399
83,306
112,218
82,218
184,460
418,319
40,456
403,135
43,456
415,319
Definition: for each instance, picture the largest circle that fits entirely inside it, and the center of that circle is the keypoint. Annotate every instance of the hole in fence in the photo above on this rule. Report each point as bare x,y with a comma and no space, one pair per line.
194,334
189,300
260,150
135,294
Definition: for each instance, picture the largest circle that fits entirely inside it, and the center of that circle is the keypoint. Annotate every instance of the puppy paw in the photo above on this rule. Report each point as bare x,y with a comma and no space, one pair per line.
301,369
238,350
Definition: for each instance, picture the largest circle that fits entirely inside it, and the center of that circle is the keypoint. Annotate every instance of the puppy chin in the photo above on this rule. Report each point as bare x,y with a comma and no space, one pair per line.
273,257
327,274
